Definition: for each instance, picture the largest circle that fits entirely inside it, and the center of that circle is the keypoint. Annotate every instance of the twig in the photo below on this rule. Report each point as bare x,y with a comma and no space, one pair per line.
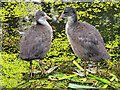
21,84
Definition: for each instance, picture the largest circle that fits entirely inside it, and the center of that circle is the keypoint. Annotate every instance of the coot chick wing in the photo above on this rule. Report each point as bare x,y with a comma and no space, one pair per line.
86,42
35,43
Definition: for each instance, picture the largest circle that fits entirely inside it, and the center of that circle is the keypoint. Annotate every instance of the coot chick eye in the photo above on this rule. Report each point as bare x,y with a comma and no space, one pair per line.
65,12
42,14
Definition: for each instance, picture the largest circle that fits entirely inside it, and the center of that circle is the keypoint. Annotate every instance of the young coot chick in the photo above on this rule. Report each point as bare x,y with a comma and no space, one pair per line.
84,38
36,41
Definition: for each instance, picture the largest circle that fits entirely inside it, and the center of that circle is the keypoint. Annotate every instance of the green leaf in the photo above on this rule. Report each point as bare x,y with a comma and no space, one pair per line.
75,86
59,84
43,81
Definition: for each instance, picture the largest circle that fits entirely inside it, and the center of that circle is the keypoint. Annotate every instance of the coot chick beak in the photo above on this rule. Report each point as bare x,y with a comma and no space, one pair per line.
62,15
47,17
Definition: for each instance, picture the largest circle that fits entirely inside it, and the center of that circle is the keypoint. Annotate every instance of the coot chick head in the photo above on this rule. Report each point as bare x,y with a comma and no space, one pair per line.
41,15
68,12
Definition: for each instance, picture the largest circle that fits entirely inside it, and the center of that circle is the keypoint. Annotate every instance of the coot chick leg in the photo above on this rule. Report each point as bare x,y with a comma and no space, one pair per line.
43,71
96,67
31,67
41,62
85,68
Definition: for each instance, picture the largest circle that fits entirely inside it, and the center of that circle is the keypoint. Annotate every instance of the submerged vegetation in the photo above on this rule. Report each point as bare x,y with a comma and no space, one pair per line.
105,16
